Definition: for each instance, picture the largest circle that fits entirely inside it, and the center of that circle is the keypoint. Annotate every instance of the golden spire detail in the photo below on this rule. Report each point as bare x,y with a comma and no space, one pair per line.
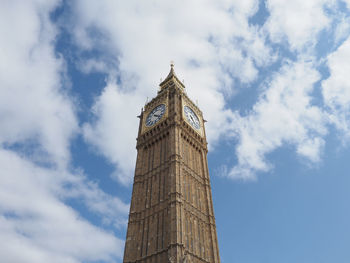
171,75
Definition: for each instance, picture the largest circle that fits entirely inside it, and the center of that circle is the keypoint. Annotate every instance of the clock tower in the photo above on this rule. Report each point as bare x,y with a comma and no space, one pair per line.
171,213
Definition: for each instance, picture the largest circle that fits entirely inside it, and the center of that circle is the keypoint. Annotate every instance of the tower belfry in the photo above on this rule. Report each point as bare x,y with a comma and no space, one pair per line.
171,214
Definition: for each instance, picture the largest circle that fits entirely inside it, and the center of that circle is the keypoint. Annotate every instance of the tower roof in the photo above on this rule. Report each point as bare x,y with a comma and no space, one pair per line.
171,76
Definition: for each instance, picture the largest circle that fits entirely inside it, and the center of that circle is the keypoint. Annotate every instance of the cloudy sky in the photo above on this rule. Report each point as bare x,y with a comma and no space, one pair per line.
272,79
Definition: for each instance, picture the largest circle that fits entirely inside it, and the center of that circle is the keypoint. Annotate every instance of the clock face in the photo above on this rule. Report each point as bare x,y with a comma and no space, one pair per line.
155,115
192,118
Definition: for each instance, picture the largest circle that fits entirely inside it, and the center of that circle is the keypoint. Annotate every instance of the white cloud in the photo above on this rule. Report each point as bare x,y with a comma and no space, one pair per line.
114,130
347,2
298,22
212,44
311,148
342,30
35,221
38,121
284,114
32,102
336,89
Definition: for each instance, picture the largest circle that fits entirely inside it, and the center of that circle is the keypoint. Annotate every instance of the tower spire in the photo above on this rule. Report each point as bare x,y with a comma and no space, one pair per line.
171,75
172,71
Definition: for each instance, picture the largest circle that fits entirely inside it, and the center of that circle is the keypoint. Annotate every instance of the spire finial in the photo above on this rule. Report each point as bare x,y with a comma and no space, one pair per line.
171,75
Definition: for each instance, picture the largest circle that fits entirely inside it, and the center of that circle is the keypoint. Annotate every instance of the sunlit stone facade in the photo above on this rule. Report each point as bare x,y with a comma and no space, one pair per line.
171,214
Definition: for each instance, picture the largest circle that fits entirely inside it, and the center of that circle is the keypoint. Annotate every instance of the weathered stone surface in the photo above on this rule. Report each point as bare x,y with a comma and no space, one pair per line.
171,214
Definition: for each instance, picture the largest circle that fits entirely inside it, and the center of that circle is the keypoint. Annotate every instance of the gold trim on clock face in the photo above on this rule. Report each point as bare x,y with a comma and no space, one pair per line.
155,115
192,118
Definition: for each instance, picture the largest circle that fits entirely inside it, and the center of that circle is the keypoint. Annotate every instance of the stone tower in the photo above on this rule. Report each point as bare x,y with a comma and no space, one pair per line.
171,214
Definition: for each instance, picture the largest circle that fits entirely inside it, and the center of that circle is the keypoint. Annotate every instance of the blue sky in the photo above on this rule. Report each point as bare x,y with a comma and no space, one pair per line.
270,76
